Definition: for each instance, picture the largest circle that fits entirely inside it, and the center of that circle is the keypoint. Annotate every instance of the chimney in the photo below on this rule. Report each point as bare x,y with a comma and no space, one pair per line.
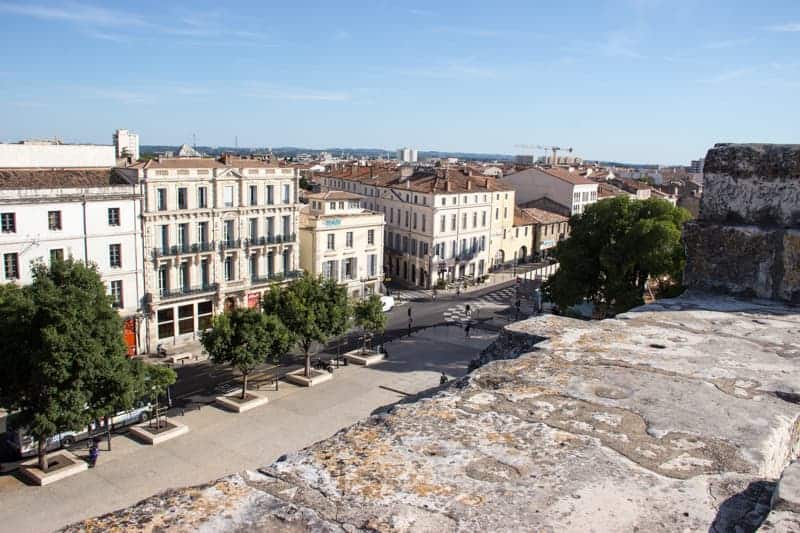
447,186
469,184
486,183
406,171
226,159
160,158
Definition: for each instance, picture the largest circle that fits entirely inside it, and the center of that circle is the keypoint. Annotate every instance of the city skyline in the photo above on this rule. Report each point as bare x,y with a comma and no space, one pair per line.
638,81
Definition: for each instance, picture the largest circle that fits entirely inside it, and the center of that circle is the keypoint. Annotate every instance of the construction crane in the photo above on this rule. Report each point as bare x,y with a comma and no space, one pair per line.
554,149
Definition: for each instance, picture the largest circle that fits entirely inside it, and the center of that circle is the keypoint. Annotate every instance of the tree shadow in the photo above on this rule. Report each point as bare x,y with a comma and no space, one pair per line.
744,512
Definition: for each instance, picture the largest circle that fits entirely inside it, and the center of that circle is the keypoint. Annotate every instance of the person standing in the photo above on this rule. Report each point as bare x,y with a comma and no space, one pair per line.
466,330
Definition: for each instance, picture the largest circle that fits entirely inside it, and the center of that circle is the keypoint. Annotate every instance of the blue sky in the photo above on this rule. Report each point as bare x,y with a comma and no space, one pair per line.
634,80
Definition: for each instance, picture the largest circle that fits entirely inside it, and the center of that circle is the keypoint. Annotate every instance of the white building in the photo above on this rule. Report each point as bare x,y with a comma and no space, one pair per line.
126,144
217,234
696,166
407,155
91,215
439,223
341,240
564,187
55,154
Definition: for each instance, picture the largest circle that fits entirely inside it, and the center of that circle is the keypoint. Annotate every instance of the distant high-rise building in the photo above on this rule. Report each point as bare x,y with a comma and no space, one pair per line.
523,159
127,144
407,155
696,166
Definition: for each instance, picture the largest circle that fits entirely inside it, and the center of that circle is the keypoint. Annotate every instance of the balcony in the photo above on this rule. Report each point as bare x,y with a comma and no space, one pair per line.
278,276
226,245
187,291
271,239
166,251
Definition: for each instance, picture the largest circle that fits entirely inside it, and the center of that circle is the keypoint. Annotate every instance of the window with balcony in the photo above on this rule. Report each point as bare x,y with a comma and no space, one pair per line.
11,265
115,255
205,278
270,227
287,194
253,195
185,282
183,237
163,280
113,216
287,227
253,229
253,266
9,222
227,196
372,265
54,220
202,197
228,233
202,233
287,262
229,272
270,195
165,238
348,239
183,200
271,264
115,287
161,199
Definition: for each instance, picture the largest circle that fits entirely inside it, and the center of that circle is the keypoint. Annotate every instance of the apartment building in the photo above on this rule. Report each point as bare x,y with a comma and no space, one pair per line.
126,144
341,240
564,187
217,234
439,222
91,215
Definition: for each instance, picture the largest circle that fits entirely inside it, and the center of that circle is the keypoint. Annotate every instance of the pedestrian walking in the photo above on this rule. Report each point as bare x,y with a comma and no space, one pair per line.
443,379
94,453
466,330
410,321
469,311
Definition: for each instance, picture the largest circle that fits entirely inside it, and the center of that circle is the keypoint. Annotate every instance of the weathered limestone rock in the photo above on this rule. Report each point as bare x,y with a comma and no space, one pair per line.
677,416
746,241
752,184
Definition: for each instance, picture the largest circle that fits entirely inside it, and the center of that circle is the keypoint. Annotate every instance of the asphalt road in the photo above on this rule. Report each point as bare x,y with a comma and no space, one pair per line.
204,379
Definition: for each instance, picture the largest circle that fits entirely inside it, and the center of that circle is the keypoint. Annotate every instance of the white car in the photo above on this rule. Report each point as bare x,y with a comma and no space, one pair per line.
388,303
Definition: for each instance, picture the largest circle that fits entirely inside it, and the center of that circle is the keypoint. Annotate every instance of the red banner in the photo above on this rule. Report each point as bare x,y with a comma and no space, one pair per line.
129,334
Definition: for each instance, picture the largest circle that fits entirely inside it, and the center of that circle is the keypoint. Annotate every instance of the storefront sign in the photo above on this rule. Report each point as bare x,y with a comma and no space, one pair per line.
333,222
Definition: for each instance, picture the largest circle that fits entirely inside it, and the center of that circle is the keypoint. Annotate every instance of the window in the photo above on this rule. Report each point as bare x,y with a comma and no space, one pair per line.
165,238
9,222
349,268
115,255
270,195
253,267
270,227
442,223
287,227
183,237
415,221
453,222
202,232
163,280
11,264
475,220
423,223
113,216
161,199
497,213
371,236
54,220
406,218
204,313
330,270
229,274
286,194
372,265
183,200
576,197
166,323
331,241
287,262
116,294
253,229
405,245
463,221
204,275
253,195
332,205
227,197
483,219
185,319
444,201
202,197
56,255
505,212
585,196
227,232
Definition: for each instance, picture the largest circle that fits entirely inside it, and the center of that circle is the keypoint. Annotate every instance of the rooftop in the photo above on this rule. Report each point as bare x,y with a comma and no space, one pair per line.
420,179
72,178
538,216
334,195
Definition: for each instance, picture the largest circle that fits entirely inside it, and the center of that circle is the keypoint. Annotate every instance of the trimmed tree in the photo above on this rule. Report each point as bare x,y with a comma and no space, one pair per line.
312,309
613,248
60,337
246,338
369,316
155,380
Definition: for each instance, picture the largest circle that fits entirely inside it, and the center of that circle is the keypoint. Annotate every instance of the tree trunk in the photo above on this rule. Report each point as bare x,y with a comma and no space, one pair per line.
308,360
158,425
42,452
108,431
244,385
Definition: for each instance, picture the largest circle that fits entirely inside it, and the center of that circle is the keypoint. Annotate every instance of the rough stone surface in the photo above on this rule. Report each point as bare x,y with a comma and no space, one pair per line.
752,184
677,416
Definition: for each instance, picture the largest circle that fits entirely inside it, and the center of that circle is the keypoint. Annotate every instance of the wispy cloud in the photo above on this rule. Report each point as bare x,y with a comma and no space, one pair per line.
729,43
730,75
74,12
422,13
453,70
788,27
119,95
273,92
620,44
469,31
342,35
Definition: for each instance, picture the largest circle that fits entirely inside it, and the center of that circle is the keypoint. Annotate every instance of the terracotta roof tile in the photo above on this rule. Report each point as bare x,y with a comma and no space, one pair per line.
73,178
423,179
541,216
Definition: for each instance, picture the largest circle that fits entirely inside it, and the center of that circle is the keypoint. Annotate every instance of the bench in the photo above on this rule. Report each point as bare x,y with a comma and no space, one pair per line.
182,357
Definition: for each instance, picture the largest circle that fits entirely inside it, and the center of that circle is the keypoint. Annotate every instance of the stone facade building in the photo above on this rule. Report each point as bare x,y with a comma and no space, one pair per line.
217,234
341,240
565,187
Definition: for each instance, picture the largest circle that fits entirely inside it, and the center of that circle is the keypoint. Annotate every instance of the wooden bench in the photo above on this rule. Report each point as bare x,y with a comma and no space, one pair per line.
182,357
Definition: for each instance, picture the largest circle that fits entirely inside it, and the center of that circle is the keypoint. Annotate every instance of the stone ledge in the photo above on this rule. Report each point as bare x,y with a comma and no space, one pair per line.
30,469
359,357
317,377
228,402
141,432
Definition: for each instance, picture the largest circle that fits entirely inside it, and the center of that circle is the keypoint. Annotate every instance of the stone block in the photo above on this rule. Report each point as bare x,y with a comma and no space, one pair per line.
752,184
231,401
298,378
359,357
145,434
73,465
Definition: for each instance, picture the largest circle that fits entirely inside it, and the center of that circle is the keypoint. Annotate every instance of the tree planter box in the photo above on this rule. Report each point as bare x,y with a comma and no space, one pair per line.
317,376
233,402
150,435
366,358
62,464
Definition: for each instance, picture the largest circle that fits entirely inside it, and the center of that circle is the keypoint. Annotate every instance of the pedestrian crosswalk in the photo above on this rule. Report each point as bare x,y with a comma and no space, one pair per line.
411,295
485,304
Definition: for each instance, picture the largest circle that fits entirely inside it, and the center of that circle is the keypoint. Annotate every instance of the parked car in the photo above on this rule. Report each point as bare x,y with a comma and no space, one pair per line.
25,445
388,303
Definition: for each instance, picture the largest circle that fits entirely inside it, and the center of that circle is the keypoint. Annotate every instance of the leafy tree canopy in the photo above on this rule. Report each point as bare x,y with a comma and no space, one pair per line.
369,315
614,246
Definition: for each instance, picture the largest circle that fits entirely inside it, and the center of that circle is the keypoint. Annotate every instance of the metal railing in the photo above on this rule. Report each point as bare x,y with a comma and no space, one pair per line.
271,239
164,251
188,291
278,276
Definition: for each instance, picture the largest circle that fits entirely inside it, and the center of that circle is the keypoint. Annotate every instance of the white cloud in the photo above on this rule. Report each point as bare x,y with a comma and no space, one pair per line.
730,75
729,43
74,12
620,44
788,27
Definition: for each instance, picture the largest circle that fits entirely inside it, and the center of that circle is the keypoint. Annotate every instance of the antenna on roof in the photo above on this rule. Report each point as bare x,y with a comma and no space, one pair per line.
194,141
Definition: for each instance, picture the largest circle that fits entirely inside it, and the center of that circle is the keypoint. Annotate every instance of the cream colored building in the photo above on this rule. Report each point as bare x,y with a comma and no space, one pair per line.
341,240
217,233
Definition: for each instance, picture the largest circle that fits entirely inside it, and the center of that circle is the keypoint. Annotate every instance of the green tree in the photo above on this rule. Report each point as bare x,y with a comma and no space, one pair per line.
61,336
369,316
312,309
613,248
154,380
246,338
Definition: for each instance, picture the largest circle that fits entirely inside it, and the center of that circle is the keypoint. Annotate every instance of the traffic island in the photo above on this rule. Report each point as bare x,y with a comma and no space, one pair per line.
234,402
60,465
316,377
363,357
150,433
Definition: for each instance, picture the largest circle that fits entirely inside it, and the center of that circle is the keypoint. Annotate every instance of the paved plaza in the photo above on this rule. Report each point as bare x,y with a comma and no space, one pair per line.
221,443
